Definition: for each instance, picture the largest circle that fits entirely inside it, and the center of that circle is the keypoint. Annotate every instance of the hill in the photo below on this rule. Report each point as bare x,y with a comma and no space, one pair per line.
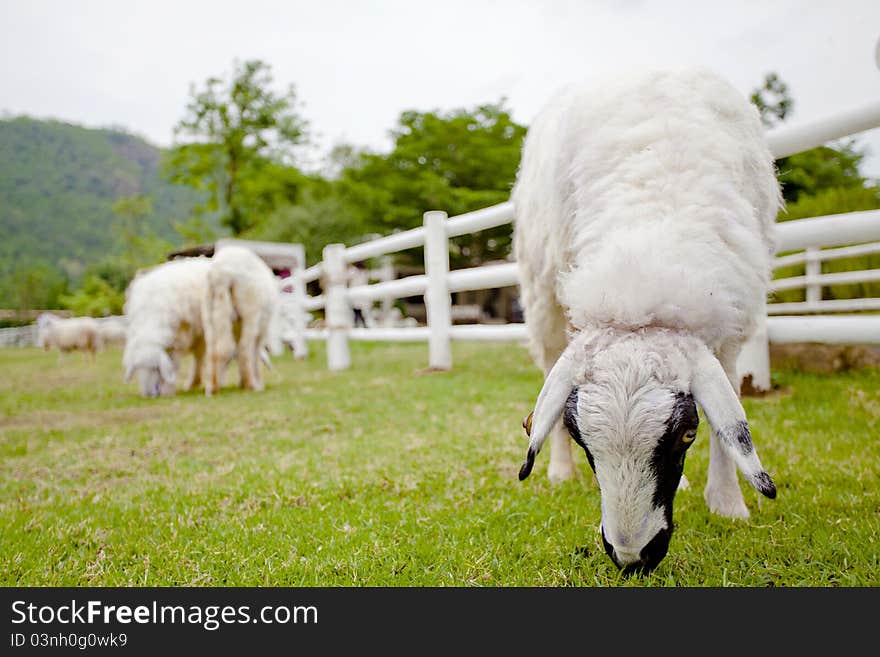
58,183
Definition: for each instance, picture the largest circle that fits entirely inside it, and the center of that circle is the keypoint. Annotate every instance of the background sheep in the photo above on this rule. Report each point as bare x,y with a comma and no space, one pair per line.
113,331
69,334
241,312
163,308
644,216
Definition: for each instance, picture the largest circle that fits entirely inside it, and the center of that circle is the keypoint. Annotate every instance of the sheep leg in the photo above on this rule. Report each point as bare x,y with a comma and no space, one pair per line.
722,492
219,345
248,356
195,378
216,369
257,363
245,375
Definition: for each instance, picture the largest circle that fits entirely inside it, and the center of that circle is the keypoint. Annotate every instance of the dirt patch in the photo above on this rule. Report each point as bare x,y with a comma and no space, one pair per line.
823,358
431,370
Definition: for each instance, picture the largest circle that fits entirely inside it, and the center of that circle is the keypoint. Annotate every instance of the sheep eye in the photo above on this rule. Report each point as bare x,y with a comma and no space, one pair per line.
689,436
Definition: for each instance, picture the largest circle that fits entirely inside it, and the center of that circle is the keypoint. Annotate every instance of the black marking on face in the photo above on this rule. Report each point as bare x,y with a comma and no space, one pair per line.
667,460
526,468
764,484
650,556
569,420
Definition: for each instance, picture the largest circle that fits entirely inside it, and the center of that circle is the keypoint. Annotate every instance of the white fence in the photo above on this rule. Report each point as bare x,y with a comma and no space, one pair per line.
18,336
810,241
809,237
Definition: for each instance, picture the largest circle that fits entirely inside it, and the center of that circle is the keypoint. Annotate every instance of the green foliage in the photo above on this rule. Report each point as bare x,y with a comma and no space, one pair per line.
102,289
241,145
95,297
58,187
820,169
32,287
322,216
196,230
819,182
833,200
773,100
456,161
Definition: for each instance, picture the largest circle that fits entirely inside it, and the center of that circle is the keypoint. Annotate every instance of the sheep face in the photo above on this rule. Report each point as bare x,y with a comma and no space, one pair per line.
636,443
155,372
631,405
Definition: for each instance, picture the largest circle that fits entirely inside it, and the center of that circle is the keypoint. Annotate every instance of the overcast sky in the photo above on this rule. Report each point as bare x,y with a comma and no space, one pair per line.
357,65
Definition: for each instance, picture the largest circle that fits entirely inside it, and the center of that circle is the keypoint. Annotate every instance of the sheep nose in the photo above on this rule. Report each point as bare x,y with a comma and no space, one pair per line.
639,561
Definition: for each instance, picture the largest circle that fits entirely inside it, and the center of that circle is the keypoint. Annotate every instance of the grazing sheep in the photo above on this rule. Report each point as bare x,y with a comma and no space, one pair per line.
69,334
163,307
644,223
241,311
113,331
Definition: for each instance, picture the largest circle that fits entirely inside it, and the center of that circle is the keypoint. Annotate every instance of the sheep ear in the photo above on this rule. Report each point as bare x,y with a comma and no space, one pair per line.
548,408
720,402
166,368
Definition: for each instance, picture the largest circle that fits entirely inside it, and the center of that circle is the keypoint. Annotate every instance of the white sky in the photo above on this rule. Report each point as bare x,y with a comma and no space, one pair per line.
357,65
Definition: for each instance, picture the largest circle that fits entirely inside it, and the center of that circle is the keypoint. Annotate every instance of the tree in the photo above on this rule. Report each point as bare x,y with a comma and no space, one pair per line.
101,289
821,181
240,144
131,211
817,170
33,286
814,171
772,100
95,297
321,216
455,161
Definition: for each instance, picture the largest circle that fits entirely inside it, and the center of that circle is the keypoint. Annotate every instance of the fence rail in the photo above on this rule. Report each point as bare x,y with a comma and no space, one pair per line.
808,238
806,241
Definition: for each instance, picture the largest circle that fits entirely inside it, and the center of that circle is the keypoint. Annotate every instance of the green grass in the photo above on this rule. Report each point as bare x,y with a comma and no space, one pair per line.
386,475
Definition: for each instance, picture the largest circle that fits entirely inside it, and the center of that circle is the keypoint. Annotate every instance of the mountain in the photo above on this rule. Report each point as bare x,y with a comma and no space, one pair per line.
58,183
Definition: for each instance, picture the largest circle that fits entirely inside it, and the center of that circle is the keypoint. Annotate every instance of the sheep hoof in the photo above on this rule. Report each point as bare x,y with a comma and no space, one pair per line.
727,504
561,472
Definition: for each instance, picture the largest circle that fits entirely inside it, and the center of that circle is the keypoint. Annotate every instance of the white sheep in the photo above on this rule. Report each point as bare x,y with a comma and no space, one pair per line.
645,210
69,334
163,308
112,331
241,313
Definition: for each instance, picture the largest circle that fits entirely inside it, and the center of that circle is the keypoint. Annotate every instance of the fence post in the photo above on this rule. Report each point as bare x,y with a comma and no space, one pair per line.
438,302
337,309
386,273
754,359
813,269
298,320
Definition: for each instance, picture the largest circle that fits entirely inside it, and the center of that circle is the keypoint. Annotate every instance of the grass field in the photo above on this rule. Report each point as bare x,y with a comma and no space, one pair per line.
386,475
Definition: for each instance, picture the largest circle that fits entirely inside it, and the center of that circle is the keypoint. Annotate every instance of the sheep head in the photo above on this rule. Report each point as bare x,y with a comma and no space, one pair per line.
154,368
631,403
